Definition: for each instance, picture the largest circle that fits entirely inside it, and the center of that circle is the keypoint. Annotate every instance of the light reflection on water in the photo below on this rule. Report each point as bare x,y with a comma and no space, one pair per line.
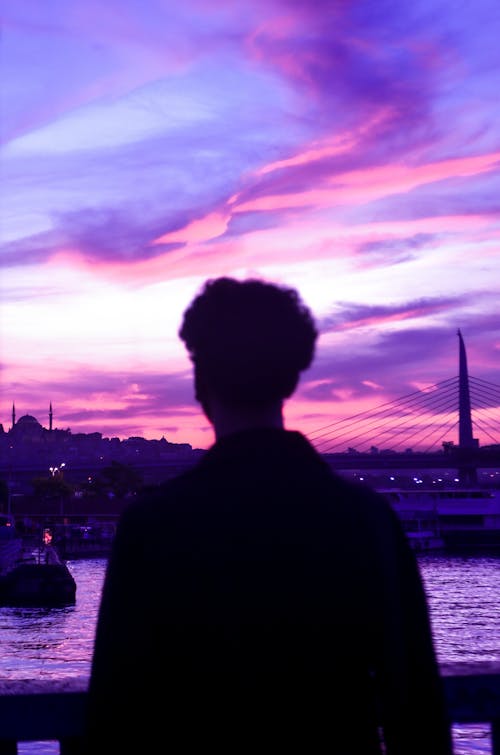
57,643
463,594
42,643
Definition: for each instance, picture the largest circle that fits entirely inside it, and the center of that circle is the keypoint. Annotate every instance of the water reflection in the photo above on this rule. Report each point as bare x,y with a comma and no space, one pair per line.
55,642
464,606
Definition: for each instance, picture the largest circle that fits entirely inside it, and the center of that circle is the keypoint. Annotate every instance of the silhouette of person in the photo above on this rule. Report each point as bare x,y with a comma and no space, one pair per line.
259,602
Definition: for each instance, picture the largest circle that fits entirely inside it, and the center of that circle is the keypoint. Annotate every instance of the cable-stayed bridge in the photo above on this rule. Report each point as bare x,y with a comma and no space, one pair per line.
437,426
405,422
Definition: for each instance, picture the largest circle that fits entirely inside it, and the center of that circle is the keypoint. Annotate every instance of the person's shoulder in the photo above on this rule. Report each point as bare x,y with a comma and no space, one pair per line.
360,491
351,494
159,501
361,496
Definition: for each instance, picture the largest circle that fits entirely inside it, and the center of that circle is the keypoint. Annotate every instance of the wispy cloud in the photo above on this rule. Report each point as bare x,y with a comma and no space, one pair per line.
348,149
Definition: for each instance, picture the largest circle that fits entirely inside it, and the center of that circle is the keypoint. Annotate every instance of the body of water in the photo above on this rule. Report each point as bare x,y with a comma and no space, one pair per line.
463,593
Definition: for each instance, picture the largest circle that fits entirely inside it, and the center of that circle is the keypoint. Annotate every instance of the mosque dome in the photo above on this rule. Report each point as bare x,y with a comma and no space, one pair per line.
27,427
27,420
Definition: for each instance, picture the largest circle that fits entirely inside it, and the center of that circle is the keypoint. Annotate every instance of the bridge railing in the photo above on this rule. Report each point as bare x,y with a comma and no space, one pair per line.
52,711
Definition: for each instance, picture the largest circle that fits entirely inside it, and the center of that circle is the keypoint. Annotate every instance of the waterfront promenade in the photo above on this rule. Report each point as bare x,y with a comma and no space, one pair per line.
53,710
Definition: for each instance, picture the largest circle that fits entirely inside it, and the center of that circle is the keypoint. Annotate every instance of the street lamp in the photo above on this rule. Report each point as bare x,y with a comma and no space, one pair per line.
57,471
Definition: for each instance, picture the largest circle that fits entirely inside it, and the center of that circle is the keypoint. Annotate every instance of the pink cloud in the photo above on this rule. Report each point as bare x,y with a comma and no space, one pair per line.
337,145
368,184
212,225
322,237
376,321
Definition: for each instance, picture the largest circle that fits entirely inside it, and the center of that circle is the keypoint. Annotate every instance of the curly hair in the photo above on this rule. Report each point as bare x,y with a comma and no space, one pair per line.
248,340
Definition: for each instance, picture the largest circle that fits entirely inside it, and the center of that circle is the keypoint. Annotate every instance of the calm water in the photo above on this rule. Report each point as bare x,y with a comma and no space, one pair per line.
463,596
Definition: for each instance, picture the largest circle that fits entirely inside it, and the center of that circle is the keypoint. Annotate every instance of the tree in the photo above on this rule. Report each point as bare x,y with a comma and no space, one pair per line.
119,479
51,487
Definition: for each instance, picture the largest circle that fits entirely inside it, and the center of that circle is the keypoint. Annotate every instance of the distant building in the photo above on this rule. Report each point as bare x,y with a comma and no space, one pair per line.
28,445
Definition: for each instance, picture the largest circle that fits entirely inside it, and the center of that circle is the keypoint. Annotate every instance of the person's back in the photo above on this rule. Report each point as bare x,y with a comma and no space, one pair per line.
261,602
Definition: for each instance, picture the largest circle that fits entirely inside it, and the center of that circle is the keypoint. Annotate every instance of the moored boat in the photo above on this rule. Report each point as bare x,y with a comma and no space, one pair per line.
89,540
421,526
425,540
32,574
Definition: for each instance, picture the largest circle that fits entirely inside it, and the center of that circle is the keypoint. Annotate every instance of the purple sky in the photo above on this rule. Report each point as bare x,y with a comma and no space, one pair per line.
348,149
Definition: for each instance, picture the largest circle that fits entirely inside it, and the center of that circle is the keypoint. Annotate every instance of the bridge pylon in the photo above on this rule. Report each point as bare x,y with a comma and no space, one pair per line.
467,444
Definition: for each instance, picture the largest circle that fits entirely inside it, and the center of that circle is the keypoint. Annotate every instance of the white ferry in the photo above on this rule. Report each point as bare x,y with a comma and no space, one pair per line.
460,517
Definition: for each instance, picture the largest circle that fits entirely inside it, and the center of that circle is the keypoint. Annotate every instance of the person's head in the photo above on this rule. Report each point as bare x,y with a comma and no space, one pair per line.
249,341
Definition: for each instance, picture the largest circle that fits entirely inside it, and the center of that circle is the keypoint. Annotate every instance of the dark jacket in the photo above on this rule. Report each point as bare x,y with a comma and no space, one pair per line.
260,603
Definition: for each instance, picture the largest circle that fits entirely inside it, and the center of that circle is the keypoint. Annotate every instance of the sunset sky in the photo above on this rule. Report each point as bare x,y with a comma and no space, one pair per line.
350,149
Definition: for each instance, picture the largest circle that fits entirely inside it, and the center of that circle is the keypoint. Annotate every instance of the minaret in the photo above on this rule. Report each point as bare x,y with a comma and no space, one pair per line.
13,415
50,417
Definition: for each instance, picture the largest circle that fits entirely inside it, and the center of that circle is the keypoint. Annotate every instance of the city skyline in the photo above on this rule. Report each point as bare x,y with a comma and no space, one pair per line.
467,408
349,150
